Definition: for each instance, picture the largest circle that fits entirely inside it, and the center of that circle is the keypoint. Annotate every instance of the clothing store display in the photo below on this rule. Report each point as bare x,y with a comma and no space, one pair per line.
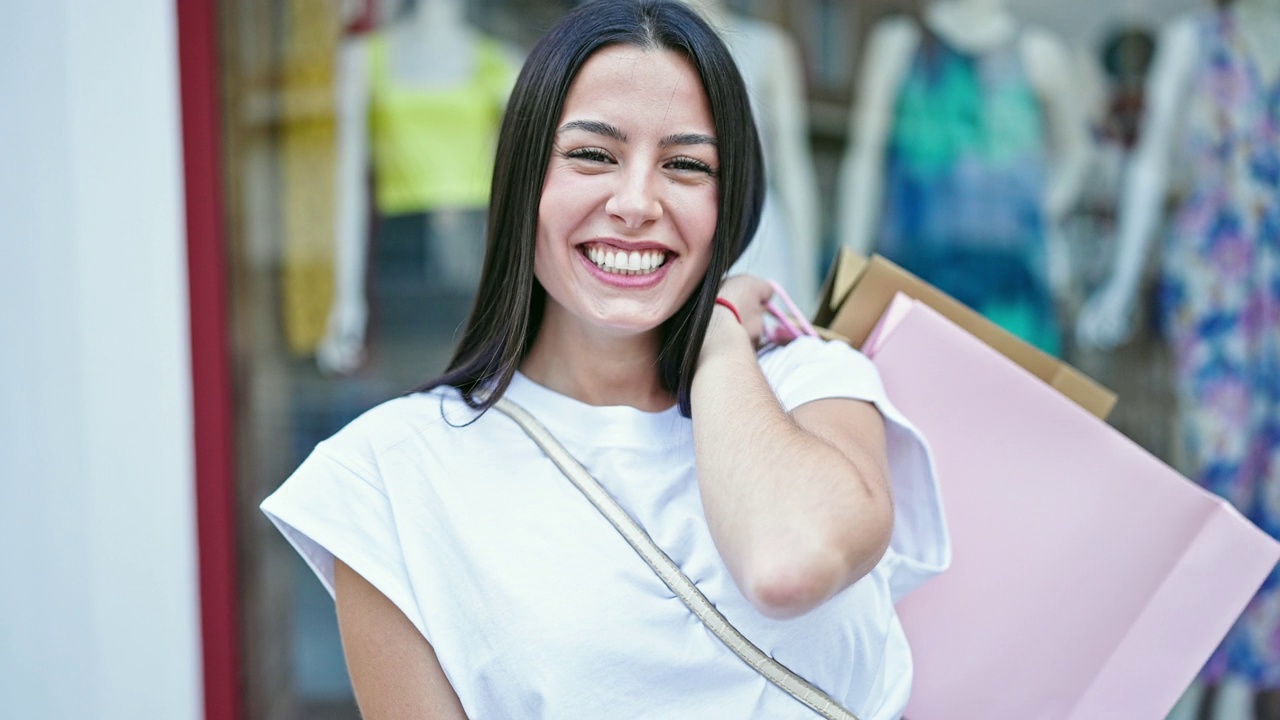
476,536
965,182
433,147
670,573
1220,304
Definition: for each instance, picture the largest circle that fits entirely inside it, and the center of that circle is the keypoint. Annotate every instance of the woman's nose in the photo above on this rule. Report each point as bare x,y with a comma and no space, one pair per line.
635,199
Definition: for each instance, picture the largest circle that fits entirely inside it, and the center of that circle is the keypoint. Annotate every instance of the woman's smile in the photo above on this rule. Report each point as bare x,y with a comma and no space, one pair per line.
619,261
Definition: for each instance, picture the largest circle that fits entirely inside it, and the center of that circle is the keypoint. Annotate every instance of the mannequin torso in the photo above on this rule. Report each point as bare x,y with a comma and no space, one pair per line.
895,186
786,247
429,49
976,26
1105,320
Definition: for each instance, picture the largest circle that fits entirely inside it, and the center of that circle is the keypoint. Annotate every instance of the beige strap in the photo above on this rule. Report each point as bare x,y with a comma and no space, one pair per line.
669,572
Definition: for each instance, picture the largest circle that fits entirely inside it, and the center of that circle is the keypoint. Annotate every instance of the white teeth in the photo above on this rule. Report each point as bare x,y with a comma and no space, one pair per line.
638,262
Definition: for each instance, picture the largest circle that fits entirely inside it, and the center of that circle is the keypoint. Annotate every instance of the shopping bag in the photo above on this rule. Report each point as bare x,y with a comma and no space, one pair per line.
858,290
1088,579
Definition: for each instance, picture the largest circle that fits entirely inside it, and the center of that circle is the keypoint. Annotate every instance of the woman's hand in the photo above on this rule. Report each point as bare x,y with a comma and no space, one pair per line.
749,295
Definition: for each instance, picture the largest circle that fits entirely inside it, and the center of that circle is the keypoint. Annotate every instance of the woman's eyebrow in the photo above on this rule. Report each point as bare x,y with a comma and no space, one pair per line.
598,127
594,126
688,139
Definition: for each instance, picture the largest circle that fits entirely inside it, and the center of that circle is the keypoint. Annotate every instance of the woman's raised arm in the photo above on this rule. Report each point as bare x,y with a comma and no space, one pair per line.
798,503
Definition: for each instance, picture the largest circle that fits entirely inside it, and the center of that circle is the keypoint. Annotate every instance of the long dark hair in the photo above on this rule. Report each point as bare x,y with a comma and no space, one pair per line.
507,313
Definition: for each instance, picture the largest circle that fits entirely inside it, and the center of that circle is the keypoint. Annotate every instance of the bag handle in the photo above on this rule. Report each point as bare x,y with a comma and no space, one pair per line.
670,573
793,322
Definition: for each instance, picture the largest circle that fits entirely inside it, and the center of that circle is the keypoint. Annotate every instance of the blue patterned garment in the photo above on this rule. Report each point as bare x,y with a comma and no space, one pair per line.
1221,309
965,182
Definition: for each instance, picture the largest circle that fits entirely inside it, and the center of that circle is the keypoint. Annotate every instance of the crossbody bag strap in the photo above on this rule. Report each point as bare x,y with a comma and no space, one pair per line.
670,573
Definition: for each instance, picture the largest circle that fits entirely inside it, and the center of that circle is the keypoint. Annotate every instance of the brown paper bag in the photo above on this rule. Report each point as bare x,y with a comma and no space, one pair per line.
857,291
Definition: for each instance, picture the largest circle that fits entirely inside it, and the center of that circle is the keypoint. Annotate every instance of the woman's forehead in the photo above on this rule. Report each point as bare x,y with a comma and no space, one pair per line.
630,83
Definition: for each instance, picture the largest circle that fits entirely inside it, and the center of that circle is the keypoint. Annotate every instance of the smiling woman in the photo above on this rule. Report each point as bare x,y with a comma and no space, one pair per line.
470,577
567,125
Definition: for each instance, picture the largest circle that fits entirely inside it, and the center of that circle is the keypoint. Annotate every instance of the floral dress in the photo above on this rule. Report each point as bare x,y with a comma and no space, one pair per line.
1220,301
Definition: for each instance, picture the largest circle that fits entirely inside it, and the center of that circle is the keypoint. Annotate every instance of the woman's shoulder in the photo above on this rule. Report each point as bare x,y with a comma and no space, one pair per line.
397,424
811,368
815,359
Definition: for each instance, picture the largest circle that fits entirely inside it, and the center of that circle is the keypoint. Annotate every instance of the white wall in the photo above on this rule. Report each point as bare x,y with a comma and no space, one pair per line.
98,592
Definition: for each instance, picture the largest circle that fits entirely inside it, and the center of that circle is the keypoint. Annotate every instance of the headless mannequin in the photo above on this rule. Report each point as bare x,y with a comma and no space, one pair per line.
1106,319
430,48
975,26
770,64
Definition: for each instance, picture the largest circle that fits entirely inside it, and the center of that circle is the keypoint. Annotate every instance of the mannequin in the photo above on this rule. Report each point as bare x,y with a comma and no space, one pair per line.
786,248
1204,101
975,29
428,49
1106,319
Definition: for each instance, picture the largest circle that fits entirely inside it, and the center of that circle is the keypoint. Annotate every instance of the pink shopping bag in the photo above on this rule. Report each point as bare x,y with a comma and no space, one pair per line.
1088,579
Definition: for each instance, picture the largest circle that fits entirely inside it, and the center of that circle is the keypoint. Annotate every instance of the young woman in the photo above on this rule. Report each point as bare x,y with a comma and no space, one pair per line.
472,579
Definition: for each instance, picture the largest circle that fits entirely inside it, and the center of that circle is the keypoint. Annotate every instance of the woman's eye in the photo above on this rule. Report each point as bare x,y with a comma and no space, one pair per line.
688,164
590,155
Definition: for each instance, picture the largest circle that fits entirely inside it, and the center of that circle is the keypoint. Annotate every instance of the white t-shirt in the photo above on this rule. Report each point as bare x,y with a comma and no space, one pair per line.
537,608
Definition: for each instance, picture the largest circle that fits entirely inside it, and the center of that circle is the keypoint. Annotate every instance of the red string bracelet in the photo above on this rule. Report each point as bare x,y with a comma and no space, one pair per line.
732,309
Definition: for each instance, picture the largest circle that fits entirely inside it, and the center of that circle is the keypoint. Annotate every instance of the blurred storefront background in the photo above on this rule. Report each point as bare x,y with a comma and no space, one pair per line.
286,80
352,141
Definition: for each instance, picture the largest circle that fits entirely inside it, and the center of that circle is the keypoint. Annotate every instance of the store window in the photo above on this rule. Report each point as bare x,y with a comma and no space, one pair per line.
358,141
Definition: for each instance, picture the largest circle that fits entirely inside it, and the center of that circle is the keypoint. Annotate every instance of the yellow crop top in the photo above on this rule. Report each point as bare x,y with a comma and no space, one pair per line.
434,148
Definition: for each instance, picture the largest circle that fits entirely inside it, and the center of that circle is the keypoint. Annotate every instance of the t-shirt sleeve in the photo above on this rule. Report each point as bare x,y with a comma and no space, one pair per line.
809,369
334,507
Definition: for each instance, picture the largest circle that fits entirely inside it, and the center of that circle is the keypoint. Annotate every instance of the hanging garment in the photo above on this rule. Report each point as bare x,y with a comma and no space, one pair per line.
1220,302
307,166
965,183
433,148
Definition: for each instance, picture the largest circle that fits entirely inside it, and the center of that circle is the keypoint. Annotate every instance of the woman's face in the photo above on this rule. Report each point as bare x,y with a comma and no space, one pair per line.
629,201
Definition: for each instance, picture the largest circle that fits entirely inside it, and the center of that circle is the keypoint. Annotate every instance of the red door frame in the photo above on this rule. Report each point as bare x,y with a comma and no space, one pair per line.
210,357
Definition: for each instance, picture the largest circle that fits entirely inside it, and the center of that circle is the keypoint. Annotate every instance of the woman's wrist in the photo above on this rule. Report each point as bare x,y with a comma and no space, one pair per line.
731,308
724,333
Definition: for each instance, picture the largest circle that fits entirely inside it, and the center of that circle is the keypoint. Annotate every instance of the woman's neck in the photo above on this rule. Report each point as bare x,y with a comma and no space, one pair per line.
596,367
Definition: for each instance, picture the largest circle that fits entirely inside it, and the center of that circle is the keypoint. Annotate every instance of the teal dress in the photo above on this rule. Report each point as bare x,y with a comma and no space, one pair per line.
965,185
